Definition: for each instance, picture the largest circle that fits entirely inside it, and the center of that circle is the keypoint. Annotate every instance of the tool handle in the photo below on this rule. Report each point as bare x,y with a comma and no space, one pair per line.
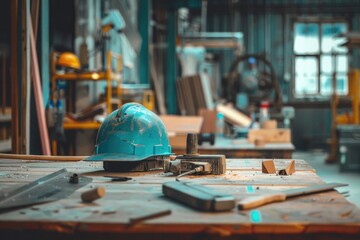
259,200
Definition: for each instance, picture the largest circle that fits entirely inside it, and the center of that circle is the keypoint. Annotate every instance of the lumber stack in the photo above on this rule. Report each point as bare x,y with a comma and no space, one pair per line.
191,95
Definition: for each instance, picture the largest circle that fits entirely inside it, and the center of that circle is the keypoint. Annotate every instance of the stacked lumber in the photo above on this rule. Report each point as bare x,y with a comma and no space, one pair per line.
193,94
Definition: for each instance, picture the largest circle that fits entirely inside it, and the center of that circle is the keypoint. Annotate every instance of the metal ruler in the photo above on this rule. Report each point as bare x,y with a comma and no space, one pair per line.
52,187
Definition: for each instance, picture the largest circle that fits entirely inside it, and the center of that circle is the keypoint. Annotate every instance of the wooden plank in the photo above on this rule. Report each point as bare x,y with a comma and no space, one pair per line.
232,164
242,148
14,77
231,177
233,116
187,97
195,97
180,97
4,80
38,96
209,124
41,157
35,16
270,135
200,92
25,82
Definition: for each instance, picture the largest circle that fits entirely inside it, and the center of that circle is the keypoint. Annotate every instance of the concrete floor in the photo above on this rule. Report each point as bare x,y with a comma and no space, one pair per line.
331,173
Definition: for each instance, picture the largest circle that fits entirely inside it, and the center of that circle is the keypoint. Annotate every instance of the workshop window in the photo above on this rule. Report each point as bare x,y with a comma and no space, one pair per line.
316,44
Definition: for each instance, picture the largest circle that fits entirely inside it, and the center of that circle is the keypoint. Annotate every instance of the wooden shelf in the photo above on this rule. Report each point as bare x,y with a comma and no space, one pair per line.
110,75
88,76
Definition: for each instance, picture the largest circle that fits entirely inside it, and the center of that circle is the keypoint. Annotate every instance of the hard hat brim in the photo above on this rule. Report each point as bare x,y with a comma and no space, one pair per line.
117,157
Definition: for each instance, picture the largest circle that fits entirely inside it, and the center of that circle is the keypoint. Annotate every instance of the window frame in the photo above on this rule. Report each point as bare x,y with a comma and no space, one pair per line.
319,21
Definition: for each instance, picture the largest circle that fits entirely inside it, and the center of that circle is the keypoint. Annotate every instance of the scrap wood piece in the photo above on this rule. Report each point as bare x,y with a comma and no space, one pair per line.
270,135
290,169
259,142
234,116
93,194
269,124
268,166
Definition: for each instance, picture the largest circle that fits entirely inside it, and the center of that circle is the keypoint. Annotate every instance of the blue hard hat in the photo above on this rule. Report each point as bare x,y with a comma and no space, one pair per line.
131,133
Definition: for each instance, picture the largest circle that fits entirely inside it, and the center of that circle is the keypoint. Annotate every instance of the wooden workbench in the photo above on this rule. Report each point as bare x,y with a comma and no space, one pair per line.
321,216
242,148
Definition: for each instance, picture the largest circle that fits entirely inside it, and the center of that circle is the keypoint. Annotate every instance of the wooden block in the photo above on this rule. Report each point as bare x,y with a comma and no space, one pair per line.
290,169
270,135
269,124
93,194
268,166
259,142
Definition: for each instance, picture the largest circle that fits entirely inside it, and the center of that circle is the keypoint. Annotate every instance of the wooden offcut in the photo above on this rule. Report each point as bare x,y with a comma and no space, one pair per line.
93,194
268,166
234,116
259,142
269,124
289,170
270,135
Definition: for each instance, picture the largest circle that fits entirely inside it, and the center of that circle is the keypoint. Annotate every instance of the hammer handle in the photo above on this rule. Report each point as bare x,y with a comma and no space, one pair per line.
259,200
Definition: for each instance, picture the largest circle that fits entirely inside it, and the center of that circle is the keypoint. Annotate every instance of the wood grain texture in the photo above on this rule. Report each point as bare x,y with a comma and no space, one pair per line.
326,215
242,148
270,135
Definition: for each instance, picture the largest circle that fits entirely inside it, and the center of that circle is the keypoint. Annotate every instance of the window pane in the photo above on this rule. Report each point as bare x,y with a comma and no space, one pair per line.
329,41
342,84
306,38
305,85
326,84
342,64
326,64
306,66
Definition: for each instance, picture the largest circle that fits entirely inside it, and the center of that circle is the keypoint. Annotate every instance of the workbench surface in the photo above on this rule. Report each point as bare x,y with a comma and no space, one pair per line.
319,216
